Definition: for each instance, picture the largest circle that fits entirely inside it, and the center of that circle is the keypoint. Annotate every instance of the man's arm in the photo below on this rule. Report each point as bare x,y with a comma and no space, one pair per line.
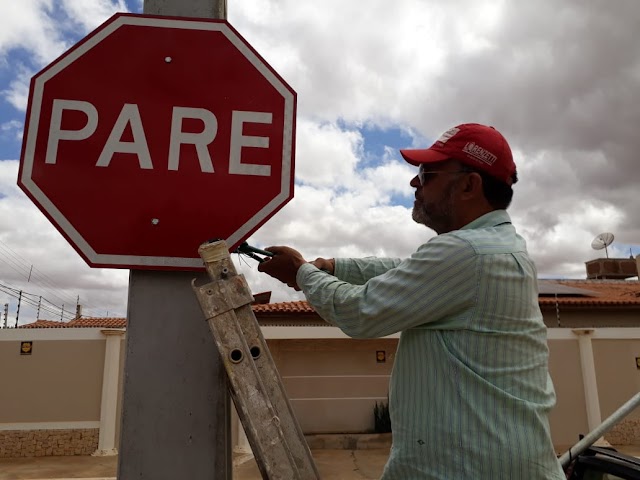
436,282
286,261
356,270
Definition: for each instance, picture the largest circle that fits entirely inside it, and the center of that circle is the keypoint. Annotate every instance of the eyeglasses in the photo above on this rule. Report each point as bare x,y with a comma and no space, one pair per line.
426,176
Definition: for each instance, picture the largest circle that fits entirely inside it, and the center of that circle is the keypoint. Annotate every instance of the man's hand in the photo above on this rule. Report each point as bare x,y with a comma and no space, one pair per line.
326,264
283,265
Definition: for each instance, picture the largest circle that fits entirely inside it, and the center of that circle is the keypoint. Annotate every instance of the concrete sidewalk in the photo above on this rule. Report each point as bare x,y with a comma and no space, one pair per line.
58,467
332,465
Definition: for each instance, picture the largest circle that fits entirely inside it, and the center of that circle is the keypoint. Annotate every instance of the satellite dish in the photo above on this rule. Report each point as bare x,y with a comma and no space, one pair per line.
602,241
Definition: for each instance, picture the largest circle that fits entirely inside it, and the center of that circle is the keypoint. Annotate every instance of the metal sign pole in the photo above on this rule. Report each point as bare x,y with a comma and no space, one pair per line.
175,408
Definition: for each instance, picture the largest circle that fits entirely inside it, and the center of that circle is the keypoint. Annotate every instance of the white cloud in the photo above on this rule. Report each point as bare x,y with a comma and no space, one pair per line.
11,130
327,155
17,93
90,14
29,25
559,80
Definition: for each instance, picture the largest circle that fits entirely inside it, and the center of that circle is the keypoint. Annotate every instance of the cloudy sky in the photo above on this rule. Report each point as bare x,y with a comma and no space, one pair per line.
561,80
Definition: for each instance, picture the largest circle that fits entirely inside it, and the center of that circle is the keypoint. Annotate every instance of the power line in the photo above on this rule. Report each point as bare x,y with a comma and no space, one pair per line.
24,298
27,270
11,266
19,264
45,289
21,296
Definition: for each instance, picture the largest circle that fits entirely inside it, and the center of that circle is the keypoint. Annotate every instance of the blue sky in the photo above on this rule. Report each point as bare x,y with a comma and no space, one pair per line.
558,81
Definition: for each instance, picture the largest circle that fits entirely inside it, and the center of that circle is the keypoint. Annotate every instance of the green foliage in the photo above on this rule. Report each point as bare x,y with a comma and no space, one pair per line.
382,420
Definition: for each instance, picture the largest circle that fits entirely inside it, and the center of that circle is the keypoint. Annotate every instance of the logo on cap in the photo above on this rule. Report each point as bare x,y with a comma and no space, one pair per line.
448,134
479,153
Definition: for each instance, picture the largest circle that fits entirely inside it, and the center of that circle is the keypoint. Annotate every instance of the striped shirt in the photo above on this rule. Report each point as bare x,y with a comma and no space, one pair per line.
470,390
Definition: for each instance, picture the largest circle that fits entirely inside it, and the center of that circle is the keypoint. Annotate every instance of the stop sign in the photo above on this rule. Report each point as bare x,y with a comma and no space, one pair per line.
154,134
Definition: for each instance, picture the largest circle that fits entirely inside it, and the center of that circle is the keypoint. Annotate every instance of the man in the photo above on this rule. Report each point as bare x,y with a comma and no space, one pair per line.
470,390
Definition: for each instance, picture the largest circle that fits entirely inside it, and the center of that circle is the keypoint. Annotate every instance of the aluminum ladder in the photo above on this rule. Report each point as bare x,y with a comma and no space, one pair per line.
256,388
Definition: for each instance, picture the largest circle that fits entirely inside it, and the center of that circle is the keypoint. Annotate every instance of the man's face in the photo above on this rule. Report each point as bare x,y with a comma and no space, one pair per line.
434,205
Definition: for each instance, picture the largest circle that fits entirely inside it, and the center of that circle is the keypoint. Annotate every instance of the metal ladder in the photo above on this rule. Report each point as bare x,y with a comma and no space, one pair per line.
256,388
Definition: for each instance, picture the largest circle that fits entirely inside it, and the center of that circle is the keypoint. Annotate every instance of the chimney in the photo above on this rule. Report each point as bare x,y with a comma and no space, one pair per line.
261,298
613,268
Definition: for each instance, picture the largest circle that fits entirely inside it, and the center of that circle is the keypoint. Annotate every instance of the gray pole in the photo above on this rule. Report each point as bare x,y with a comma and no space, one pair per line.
175,407
187,8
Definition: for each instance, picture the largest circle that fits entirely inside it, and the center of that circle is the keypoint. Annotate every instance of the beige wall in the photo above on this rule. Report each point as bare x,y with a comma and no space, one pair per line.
618,380
60,382
569,417
333,384
50,400
617,374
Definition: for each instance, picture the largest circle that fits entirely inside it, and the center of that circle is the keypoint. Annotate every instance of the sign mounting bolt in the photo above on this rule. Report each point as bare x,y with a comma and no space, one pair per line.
155,221
167,59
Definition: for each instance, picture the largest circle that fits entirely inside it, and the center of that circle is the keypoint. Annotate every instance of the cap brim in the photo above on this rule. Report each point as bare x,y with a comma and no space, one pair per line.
424,155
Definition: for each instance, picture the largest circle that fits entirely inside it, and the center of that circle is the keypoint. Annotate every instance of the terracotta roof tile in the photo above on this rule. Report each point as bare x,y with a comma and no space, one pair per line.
284,308
84,322
606,293
96,322
44,324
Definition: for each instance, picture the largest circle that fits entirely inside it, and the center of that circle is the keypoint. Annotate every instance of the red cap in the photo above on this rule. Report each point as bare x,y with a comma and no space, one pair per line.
472,144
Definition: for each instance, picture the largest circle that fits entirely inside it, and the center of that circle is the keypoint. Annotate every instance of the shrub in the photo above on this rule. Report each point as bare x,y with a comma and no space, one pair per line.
382,421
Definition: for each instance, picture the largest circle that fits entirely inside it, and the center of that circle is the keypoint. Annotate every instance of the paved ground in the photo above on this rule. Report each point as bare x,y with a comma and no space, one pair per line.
332,465
57,467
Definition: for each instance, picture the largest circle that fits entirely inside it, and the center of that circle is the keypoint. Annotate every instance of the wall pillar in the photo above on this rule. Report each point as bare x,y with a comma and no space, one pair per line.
109,403
587,365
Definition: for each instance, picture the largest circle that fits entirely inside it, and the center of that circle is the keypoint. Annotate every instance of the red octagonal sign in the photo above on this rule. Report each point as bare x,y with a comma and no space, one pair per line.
153,135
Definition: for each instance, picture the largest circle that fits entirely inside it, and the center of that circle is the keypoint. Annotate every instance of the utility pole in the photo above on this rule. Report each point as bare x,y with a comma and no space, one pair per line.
6,313
62,313
18,309
78,310
39,305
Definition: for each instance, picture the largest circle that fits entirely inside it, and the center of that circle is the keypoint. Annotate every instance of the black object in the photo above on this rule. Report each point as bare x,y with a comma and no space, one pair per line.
603,463
245,249
253,252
